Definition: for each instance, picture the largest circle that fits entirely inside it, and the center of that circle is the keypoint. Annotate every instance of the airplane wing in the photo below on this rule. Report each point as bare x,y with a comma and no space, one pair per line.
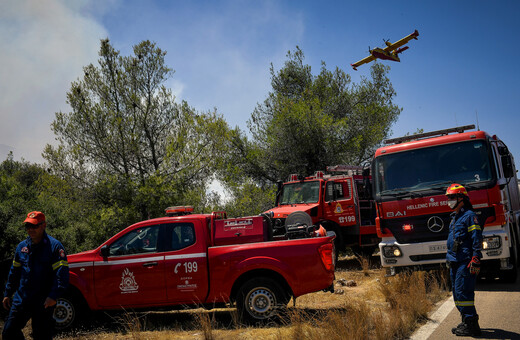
402,42
363,61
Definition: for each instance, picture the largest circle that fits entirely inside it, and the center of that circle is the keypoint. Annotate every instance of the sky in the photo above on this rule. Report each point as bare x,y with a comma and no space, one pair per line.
462,69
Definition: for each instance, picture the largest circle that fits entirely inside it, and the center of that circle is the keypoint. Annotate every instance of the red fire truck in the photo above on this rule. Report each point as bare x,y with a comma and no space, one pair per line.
410,177
207,260
340,201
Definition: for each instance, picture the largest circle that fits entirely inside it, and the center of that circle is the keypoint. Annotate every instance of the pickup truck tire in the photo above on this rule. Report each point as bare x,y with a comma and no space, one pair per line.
68,311
260,300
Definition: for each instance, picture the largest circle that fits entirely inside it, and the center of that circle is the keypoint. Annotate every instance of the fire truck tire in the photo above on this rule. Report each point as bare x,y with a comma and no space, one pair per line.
367,251
68,311
509,276
261,300
298,217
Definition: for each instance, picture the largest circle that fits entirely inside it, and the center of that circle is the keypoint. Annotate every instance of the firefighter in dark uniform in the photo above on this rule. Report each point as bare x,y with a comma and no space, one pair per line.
463,258
39,275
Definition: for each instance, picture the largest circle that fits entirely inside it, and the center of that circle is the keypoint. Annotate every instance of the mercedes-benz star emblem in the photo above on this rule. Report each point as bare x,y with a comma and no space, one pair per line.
435,224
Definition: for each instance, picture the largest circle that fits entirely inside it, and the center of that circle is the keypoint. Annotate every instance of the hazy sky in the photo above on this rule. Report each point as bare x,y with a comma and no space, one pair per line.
463,64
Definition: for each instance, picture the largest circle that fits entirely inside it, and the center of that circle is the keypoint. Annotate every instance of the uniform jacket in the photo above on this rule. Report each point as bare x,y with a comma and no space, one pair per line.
467,233
38,271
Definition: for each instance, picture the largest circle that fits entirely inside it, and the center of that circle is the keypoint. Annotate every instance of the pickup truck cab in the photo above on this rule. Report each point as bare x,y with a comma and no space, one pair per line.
198,260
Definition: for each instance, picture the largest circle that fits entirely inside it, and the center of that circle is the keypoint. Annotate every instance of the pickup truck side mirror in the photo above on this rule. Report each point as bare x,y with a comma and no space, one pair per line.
105,252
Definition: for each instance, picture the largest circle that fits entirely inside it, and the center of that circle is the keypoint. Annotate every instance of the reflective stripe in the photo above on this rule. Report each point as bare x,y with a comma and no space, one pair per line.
474,227
185,256
80,264
139,260
16,264
60,264
464,303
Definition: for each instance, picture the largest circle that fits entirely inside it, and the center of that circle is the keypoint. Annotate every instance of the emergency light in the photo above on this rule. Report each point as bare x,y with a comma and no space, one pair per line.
179,211
293,177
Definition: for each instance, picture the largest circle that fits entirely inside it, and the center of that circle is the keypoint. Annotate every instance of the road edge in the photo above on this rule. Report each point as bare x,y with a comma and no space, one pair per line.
434,320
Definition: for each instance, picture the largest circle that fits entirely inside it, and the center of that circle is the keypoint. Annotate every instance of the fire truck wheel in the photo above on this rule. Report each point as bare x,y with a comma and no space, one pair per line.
260,300
298,217
367,251
509,276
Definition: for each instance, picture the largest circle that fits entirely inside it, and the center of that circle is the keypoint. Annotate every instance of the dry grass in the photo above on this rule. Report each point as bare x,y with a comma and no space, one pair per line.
377,307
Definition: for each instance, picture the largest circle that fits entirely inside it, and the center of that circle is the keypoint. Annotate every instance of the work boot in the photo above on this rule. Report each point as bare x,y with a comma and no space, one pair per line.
458,326
470,327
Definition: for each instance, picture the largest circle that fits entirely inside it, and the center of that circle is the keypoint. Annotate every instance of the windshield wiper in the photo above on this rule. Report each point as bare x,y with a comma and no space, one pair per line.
441,186
397,193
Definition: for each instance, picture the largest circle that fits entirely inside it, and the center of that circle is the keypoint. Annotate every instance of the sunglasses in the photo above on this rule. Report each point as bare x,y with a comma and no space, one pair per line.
32,226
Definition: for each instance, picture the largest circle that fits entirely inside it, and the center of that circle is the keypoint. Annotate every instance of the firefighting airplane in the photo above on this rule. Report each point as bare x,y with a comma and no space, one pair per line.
390,52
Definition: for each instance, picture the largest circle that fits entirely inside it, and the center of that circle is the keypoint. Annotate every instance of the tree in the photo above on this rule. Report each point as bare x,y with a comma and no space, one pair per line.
126,142
18,193
308,122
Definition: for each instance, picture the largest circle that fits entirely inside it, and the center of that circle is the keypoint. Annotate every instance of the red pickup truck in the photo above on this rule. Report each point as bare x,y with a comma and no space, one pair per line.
199,260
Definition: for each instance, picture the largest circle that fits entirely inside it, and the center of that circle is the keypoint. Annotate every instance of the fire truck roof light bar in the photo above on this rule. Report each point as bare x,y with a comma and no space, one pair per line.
458,129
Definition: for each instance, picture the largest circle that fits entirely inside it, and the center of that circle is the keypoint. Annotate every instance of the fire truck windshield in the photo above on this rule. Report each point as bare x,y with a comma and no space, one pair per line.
301,192
434,167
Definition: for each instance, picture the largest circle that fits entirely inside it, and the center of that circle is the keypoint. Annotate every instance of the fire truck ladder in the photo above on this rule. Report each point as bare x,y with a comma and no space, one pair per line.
458,129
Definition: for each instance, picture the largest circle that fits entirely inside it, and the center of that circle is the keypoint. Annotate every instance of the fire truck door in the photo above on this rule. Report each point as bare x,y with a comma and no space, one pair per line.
339,202
186,263
133,273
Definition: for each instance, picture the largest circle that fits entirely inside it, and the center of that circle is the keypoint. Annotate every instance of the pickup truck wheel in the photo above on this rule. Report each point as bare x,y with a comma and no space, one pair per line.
66,312
261,300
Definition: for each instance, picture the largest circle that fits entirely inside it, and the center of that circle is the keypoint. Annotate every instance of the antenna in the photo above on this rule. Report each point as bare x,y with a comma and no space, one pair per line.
476,114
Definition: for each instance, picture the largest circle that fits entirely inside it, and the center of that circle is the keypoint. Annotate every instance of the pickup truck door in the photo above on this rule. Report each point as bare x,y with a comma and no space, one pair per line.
186,262
339,202
133,273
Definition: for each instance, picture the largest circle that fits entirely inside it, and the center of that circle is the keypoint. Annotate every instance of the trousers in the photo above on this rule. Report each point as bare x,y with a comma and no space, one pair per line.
42,321
463,286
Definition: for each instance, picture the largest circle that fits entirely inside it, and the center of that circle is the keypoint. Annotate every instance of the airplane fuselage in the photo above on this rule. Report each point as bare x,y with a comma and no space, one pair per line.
382,54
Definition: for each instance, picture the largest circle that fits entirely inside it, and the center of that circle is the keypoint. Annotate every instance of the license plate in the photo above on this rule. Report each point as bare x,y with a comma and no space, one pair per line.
435,249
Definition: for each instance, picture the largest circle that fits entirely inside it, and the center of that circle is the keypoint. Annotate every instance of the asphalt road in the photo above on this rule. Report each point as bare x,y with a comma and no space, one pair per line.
498,306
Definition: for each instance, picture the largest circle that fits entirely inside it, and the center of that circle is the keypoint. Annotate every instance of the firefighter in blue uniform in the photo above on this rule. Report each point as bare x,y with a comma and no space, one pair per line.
39,275
463,258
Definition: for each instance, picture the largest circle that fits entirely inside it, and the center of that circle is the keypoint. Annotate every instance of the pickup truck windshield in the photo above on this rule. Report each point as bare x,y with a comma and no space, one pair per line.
302,192
433,168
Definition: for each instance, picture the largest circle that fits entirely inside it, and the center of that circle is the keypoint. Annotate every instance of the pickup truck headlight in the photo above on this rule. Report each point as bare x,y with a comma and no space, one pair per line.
491,242
392,251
